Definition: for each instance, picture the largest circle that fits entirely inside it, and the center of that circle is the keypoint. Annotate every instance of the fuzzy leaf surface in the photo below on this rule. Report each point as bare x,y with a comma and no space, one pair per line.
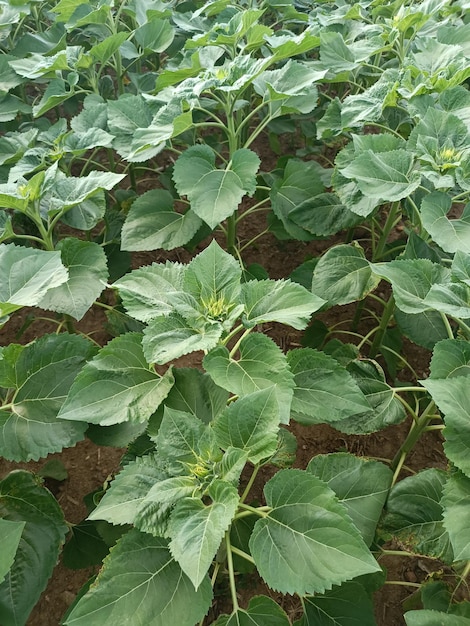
324,390
307,542
142,584
261,611
455,502
362,486
40,375
117,386
215,193
261,365
278,301
347,605
23,500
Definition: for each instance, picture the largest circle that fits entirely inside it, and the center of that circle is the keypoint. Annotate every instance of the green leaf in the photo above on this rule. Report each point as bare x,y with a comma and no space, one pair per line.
414,515
261,365
386,409
343,275
155,35
306,543
56,92
324,215
85,547
184,439
24,501
88,273
213,277
361,485
411,281
40,375
261,611
301,182
66,191
451,396
105,49
196,393
455,502
324,390
452,299
126,114
214,193
385,175
10,537
142,583
278,301
424,329
432,618
87,214
450,234
197,529
148,292
451,357
250,423
26,276
347,605
128,490
168,337
153,223
117,386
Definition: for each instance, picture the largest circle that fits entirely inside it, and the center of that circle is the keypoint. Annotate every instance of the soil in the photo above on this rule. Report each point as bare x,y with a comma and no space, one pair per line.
89,465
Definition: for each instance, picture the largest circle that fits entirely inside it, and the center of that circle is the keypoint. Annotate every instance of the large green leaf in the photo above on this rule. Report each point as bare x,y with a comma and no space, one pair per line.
301,182
213,278
361,485
452,299
24,501
117,386
197,529
168,337
387,175
278,301
450,234
347,605
307,542
451,357
414,515
40,376
261,611
10,536
424,329
250,423
451,396
456,502
88,273
411,281
261,365
343,275
153,223
155,35
26,276
128,490
324,390
215,193
142,584
324,215
148,291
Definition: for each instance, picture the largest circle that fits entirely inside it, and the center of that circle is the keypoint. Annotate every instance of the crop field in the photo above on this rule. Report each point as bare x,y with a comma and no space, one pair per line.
235,313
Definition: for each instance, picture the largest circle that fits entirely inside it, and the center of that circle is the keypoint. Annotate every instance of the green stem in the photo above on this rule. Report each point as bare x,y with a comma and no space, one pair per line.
402,583
232,235
450,332
244,555
379,335
393,217
231,572
260,511
417,428
250,483
233,351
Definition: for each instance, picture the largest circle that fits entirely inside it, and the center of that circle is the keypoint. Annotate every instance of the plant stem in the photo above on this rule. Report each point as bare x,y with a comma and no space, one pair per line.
232,235
231,572
450,332
250,483
260,511
237,345
403,583
393,217
415,432
244,555
379,335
